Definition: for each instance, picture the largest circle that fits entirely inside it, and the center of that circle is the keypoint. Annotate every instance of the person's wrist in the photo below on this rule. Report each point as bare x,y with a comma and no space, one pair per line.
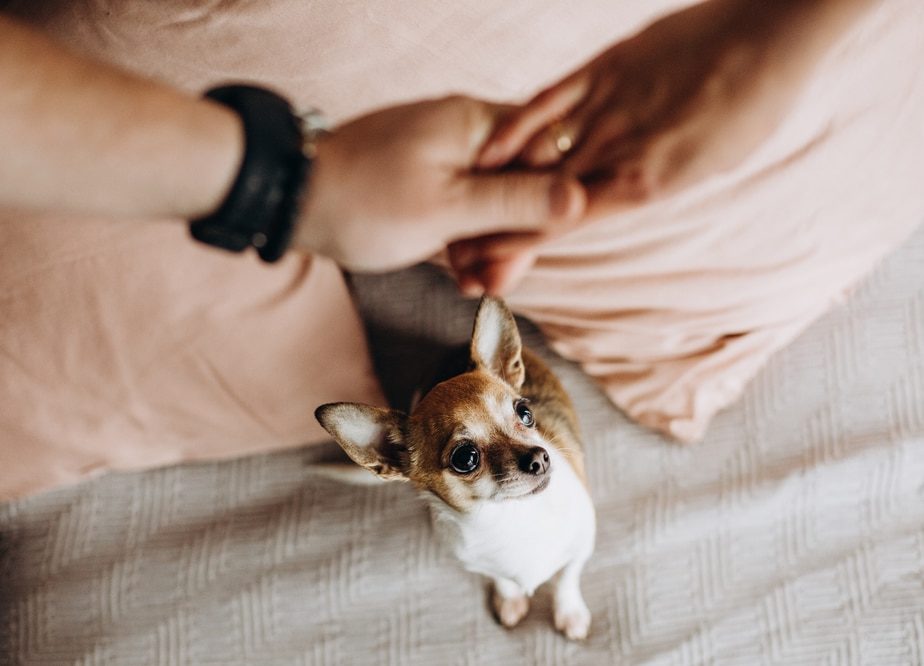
261,207
311,233
225,145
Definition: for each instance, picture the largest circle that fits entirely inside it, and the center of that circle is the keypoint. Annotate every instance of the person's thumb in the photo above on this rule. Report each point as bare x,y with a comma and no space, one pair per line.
521,202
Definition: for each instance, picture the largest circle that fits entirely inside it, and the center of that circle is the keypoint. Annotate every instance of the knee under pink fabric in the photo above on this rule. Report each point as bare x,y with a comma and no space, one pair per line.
124,345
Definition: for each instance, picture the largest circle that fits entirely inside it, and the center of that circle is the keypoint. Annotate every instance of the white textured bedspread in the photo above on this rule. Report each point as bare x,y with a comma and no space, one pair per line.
793,535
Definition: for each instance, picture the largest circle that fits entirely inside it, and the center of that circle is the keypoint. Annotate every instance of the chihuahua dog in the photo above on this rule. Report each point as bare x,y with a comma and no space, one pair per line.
496,451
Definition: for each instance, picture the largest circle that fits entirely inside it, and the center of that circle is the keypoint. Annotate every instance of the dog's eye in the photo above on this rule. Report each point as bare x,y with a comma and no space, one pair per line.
524,413
465,458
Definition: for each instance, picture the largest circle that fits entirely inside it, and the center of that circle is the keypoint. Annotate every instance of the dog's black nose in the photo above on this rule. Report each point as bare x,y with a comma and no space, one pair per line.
535,461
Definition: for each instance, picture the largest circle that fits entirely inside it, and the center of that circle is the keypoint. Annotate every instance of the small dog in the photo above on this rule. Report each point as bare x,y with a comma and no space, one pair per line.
496,450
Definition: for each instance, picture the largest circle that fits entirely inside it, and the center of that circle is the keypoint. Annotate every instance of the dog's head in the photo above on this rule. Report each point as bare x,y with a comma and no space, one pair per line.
472,438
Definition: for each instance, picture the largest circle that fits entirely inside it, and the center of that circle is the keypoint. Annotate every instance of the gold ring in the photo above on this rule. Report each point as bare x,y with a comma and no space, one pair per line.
564,140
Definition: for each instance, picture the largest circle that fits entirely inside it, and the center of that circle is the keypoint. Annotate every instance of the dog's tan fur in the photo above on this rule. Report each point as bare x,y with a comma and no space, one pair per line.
558,418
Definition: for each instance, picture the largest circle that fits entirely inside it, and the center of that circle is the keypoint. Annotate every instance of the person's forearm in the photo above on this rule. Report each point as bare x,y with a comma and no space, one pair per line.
84,137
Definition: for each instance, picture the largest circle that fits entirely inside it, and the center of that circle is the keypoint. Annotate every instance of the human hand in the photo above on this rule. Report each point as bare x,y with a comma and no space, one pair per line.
396,186
689,97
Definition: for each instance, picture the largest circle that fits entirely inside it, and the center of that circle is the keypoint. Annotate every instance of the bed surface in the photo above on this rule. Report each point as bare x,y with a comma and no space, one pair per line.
793,535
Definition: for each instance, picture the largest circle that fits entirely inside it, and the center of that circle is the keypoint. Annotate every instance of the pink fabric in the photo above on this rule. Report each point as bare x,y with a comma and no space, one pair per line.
124,345
672,307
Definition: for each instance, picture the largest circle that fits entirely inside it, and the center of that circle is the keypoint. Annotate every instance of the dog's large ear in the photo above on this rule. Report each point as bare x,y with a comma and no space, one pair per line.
371,436
496,345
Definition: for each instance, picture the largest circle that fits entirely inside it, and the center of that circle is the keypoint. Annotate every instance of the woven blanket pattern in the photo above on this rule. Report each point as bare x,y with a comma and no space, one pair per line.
793,535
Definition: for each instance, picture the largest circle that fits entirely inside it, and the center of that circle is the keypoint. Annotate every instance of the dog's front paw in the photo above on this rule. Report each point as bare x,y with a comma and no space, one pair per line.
510,610
573,621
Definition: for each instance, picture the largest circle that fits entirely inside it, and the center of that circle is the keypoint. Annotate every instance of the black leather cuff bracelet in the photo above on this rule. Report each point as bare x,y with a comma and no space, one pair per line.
264,201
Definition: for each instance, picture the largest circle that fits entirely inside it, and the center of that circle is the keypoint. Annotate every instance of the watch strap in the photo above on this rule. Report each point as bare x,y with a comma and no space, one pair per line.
263,203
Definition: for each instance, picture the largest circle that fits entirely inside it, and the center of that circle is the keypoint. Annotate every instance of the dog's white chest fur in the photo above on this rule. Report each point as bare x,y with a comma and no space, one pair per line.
525,540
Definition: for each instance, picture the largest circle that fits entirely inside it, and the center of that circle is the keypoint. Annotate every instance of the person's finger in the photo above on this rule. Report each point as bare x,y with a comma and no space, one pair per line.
517,202
470,285
462,254
502,276
496,278
556,141
608,137
553,143
629,186
512,134
471,251
481,120
643,169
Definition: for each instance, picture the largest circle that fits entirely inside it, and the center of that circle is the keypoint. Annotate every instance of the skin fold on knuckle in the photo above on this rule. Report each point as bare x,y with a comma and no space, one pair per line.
508,200
526,202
